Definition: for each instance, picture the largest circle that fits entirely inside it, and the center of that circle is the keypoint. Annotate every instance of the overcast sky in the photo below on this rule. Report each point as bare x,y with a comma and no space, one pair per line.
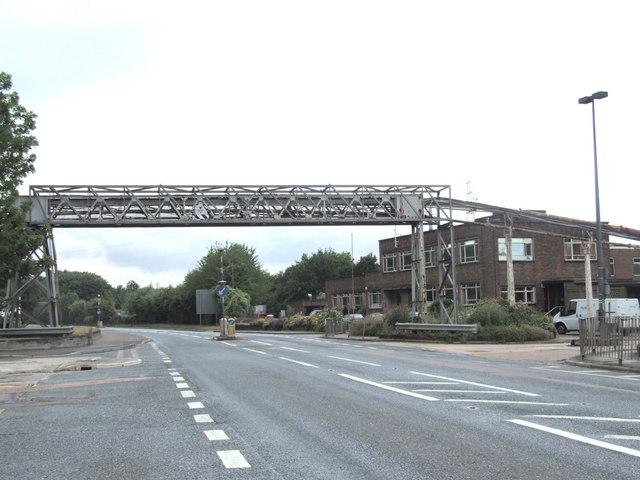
479,95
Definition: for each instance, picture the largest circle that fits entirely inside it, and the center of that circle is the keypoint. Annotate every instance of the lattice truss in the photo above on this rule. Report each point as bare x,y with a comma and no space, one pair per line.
236,205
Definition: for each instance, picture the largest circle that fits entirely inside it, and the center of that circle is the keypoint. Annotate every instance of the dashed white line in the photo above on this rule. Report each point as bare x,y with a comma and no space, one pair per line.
178,379
215,435
596,419
578,438
298,362
203,418
195,405
355,361
508,402
254,351
182,385
294,349
187,393
233,459
261,343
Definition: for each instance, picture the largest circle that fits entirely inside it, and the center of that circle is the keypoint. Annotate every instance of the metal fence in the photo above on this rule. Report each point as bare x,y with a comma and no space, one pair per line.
611,339
334,326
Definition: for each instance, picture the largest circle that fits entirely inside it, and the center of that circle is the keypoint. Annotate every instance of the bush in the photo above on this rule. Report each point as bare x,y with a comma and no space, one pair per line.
397,315
372,326
490,312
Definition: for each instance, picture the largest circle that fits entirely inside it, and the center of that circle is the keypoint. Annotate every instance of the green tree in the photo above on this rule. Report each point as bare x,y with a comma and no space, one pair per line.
367,264
237,303
17,240
307,276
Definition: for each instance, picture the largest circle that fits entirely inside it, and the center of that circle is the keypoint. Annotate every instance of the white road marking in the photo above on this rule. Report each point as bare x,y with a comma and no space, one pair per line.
294,349
187,394
510,402
299,363
203,418
254,351
355,361
233,459
195,405
422,383
387,387
596,419
182,385
214,435
261,343
178,379
479,384
623,437
457,391
578,438
174,374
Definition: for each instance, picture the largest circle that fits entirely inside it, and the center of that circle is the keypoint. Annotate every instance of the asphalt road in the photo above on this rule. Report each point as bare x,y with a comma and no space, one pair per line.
300,407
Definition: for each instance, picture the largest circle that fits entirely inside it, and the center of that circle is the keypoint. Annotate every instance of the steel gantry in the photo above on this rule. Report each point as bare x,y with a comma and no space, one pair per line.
82,206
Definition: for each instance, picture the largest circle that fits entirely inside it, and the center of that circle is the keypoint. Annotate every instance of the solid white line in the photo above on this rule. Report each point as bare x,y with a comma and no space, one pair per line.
233,459
254,351
387,387
187,394
214,435
203,418
296,361
623,437
578,438
479,384
294,349
509,402
422,383
355,361
457,391
195,405
596,419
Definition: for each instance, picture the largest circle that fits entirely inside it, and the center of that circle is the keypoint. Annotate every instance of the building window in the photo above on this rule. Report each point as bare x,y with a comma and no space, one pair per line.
574,250
636,266
405,260
431,293
430,257
521,249
525,294
375,300
469,251
389,261
470,293
343,300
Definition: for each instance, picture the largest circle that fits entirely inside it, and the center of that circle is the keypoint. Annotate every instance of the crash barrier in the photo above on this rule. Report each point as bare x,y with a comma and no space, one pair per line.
334,326
442,327
612,338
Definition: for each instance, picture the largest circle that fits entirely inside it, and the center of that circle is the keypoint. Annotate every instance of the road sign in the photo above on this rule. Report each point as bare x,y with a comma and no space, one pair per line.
222,290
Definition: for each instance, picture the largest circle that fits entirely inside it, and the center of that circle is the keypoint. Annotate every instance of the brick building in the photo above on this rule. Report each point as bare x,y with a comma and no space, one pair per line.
548,266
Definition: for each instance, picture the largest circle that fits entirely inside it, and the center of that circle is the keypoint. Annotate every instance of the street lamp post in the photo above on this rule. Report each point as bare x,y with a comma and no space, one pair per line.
602,271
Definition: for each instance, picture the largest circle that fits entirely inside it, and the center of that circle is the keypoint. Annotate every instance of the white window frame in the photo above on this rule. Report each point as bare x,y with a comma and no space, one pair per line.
389,262
521,249
466,289
469,257
430,257
525,294
375,299
573,250
636,266
405,260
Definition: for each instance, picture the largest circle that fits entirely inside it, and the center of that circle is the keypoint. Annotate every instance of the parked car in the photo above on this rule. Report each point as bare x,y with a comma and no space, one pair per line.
352,316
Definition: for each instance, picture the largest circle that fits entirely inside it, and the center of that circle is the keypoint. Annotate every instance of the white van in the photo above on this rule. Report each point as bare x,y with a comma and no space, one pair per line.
569,317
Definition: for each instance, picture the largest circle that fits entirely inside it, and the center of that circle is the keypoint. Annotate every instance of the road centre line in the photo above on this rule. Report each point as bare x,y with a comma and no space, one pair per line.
389,388
578,438
595,419
295,349
214,435
422,383
479,384
296,361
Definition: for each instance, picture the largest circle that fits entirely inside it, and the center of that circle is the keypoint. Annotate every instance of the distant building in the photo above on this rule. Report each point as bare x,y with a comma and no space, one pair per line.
548,264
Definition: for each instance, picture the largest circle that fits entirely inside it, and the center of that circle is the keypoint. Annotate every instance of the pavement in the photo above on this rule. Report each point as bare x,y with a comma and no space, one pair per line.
21,365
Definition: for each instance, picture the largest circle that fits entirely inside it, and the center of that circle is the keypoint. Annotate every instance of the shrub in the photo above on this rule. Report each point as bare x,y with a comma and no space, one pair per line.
372,326
490,312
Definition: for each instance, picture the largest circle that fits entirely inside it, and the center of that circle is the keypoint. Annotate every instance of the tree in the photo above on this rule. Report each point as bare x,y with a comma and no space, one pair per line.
17,240
367,264
237,303
307,276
